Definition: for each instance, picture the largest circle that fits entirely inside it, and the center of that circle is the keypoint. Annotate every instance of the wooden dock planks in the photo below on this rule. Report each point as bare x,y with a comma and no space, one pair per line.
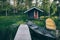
23,33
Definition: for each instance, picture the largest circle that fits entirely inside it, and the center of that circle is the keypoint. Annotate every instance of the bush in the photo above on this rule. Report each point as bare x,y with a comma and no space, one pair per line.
43,17
40,23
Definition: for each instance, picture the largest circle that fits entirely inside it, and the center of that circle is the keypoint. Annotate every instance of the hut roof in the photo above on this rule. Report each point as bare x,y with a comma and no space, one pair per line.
33,8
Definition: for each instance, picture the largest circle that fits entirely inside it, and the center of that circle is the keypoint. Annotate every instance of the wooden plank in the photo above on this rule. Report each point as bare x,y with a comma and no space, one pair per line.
23,33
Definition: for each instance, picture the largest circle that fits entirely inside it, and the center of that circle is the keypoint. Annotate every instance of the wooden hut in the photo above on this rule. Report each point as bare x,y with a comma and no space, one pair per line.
34,13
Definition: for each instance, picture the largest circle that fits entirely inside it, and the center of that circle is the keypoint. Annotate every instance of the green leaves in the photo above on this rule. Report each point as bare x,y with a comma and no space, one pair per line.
53,8
6,5
49,7
46,5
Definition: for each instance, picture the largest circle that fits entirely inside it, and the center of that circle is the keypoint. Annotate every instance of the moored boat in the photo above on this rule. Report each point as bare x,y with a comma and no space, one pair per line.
40,32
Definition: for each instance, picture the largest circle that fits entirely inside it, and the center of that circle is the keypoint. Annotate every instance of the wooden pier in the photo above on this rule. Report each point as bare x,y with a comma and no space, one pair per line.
23,33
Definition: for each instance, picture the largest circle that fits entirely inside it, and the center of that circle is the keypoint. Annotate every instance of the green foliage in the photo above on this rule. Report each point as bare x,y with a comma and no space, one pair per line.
3,0
20,7
8,26
6,5
40,23
46,5
53,8
49,7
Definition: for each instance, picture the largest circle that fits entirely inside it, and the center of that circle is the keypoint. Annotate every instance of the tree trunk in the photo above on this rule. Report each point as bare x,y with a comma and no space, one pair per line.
14,11
59,15
36,3
6,12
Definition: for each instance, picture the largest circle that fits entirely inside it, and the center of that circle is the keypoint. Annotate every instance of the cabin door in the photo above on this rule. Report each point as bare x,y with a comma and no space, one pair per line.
36,14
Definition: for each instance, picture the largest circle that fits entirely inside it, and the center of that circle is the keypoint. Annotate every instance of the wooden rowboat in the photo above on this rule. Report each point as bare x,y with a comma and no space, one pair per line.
40,32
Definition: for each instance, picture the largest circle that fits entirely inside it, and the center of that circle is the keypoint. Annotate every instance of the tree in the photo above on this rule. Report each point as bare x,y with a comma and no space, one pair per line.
46,6
36,3
15,6
21,5
53,8
3,0
28,3
6,7
1,5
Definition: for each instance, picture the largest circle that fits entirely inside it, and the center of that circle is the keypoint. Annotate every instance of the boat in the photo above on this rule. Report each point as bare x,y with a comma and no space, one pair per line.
40,32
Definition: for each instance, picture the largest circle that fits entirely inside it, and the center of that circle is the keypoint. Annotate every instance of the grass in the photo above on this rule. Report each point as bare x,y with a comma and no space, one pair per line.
8,26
